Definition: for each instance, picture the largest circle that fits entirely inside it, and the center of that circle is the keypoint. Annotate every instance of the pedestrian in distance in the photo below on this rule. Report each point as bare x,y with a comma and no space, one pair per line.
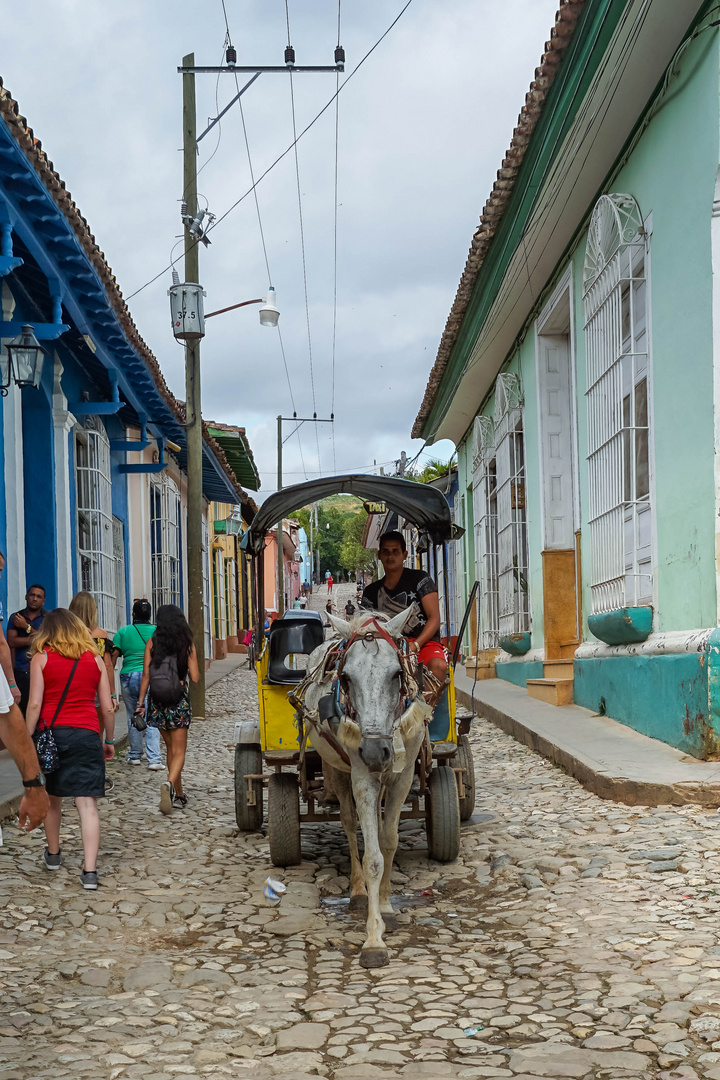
349,610
129,643
330,584
170,658
66,675
34,804
22,629
6,664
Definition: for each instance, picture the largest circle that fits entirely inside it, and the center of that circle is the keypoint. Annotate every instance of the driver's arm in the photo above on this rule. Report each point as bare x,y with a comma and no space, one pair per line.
431,606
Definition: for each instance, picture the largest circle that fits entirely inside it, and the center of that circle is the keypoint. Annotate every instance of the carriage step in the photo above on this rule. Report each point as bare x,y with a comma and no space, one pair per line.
551,691
444,749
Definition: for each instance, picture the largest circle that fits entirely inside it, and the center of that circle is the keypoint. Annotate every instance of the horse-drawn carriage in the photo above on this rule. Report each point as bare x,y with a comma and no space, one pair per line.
277,736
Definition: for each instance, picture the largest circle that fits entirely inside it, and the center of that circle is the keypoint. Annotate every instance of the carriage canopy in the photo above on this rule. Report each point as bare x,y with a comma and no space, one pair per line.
422,505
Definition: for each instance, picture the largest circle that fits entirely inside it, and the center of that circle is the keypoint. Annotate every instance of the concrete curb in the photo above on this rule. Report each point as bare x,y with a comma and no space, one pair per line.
608,758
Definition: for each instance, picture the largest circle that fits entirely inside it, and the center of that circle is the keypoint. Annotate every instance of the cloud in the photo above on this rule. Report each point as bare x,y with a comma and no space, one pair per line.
422,130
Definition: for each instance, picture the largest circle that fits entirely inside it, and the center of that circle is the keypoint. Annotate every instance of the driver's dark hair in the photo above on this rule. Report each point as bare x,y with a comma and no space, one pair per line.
172,637
393,535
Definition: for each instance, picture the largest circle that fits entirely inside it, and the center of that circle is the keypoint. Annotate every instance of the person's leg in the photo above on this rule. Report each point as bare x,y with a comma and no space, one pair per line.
129,687
22,679
178,742
152,735
89,829
52,825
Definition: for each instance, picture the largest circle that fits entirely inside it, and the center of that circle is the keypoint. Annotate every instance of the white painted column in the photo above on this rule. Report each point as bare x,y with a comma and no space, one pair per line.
13,469
63,422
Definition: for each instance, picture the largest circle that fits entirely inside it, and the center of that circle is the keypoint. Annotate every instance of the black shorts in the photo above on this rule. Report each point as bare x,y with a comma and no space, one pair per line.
81,772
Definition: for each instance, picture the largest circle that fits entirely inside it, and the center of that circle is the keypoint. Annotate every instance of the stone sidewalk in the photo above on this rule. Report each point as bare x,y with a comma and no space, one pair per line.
11,788
574,937
607,757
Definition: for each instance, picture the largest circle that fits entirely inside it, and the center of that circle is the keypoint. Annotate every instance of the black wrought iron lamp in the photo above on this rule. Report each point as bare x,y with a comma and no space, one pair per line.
22,361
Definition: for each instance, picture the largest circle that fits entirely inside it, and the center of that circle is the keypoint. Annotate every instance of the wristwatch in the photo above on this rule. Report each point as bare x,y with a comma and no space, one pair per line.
28,629
37,781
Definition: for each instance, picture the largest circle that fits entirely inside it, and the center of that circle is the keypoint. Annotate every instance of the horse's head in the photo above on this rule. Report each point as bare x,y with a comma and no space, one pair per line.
372,678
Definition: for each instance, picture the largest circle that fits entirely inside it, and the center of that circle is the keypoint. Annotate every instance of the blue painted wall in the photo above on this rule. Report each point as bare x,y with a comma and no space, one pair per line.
39,490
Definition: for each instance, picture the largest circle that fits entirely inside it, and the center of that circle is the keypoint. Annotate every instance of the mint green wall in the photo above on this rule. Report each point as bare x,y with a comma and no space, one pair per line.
672,174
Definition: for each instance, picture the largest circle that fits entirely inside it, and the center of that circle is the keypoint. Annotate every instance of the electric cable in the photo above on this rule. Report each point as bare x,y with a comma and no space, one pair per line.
302,243
335,246
228,39
285,152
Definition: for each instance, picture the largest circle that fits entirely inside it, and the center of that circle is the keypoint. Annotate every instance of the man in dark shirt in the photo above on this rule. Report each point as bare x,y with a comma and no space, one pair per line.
402,587
22,628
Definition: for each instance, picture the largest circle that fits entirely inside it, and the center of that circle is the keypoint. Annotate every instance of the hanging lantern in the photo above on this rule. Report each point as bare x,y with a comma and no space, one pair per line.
25,359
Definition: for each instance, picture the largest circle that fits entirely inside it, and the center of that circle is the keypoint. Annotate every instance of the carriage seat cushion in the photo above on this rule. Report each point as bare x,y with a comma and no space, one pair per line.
297,636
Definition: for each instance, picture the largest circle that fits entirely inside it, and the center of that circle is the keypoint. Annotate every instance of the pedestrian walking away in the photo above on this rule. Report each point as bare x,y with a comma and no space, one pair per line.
83,605
6,664
330,584
129,643
66,674
22,627
169,659
14,734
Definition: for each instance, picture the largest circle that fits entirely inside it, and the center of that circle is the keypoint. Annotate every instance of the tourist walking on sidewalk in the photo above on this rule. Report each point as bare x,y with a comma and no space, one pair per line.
83,605
66,674
129,642
169,659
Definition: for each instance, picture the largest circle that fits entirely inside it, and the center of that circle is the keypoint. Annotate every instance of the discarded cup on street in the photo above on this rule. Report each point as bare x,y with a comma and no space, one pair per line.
273,891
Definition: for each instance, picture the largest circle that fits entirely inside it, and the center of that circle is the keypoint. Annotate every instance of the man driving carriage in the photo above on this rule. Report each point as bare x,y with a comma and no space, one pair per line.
402,587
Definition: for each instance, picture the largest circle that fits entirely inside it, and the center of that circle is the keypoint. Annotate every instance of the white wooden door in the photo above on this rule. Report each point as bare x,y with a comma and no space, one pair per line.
555,390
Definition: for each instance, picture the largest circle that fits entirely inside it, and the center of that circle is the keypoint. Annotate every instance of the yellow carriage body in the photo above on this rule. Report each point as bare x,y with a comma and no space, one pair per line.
278,726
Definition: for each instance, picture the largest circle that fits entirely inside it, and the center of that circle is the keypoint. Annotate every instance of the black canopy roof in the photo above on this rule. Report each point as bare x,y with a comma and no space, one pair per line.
424,506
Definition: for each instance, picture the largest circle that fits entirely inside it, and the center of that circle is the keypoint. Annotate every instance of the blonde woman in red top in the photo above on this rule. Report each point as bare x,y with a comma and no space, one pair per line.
65,658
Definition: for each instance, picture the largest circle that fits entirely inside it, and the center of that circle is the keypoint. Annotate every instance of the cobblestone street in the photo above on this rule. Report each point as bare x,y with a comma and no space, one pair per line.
573,938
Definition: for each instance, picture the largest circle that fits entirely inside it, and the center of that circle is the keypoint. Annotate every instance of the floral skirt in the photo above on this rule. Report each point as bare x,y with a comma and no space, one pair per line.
170,717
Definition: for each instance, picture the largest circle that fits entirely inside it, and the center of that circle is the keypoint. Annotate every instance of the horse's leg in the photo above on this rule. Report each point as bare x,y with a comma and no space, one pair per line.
395,795
367,797
349,819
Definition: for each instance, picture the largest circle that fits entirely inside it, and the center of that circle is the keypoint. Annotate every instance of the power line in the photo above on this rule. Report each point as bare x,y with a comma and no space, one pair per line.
260,226
302,242
335,236
291,146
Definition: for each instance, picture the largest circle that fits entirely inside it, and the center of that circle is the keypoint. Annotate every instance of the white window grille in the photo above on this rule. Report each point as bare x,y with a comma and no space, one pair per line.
96,562
616,340
165,540
486,529
513,601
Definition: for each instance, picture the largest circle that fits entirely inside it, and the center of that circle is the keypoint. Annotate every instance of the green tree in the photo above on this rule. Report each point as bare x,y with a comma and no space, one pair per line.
354,557
431,471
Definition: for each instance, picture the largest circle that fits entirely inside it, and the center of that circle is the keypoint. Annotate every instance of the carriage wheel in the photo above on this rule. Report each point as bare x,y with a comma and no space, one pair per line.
284,819
248,762
464,760
442,815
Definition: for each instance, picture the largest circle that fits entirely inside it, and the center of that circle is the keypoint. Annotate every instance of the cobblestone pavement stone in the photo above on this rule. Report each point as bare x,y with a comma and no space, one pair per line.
573,938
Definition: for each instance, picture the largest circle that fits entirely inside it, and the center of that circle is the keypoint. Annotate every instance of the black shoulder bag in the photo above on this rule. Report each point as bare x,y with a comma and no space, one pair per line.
45,745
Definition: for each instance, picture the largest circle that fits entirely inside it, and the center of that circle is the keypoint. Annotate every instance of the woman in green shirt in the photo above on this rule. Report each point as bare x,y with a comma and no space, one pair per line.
129,642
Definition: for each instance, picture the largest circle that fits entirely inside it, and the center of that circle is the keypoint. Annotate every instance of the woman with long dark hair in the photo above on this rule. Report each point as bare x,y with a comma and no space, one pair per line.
170,657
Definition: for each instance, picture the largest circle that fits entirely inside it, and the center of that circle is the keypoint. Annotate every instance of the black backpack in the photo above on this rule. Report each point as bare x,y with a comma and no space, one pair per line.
166,686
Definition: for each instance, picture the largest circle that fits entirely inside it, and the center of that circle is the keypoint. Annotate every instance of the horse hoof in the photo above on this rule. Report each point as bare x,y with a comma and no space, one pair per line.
390,920
359,902
373,958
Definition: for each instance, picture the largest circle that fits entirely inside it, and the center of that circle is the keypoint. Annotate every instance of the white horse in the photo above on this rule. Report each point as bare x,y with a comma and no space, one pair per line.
368,753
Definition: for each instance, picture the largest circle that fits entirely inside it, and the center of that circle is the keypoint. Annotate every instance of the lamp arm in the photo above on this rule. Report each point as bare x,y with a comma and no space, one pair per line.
233,307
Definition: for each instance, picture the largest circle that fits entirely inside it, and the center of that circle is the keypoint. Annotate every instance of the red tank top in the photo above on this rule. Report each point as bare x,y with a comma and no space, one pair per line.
79,706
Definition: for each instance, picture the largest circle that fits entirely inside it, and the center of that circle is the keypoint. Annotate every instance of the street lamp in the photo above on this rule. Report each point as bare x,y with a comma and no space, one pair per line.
23,362
269,313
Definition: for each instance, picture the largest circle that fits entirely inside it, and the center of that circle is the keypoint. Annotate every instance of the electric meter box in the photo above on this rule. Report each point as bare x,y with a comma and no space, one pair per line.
186,307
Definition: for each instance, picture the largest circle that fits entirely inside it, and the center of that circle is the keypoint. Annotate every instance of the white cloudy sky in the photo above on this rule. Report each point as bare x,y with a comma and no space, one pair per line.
423,128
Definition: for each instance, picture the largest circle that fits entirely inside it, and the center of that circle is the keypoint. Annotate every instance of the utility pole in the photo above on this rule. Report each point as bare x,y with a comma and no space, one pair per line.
193,403
312,548
280,575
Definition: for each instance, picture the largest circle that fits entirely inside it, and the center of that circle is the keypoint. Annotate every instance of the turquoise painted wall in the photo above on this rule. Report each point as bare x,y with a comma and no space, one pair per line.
672,173
665,697
519,673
